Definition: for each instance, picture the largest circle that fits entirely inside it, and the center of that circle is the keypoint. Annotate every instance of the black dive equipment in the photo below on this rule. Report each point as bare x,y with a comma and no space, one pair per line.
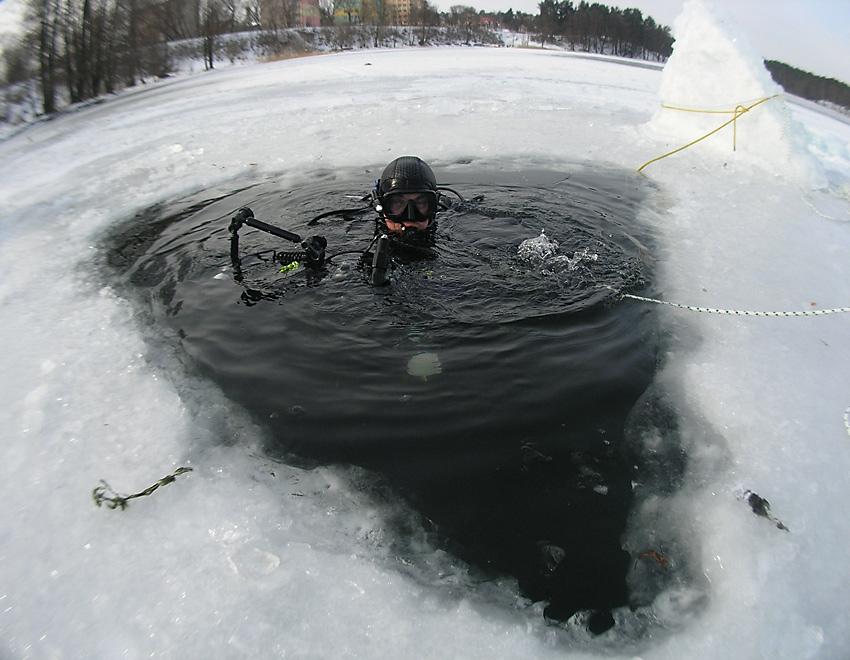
312,249
380,261
407,192
312,252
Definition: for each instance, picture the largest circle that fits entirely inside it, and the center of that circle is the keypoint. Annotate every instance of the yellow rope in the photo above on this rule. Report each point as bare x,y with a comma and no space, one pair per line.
737,112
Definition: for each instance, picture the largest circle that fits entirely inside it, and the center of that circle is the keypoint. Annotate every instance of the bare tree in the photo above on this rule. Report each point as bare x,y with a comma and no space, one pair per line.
426,16
177,19
466,19
229,10
18,65
88,47
376,12
131,42
277,14
252,13
213,24
44,15
326,12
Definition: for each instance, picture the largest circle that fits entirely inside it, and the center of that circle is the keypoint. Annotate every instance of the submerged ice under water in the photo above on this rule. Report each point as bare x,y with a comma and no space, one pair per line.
489,385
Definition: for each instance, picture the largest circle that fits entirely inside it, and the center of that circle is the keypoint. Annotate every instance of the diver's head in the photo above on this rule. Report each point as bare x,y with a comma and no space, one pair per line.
407,195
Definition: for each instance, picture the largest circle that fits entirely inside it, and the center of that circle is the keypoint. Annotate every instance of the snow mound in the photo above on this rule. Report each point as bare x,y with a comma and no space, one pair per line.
716,75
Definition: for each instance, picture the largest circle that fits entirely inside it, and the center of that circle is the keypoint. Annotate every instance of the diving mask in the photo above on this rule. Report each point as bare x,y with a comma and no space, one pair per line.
410,207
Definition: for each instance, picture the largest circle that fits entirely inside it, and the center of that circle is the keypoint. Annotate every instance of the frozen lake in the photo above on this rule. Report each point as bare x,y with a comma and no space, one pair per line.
246,557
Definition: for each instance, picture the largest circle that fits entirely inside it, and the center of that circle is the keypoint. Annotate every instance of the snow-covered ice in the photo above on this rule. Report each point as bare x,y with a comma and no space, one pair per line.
244,558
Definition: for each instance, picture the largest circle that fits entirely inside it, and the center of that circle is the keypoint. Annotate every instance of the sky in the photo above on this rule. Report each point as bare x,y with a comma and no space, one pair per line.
813,35
10,17
246,558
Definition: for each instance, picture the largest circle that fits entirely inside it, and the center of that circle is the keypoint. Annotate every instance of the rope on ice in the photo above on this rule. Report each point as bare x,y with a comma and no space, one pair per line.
739,312
737,112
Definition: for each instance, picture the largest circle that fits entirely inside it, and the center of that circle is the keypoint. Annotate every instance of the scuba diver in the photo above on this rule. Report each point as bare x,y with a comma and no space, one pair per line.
406,198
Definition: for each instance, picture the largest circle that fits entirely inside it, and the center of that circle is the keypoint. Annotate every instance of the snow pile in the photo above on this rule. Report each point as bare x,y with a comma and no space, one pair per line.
716,74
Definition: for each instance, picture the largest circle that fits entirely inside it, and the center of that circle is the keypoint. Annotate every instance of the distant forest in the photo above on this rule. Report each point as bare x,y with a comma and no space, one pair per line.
809,86
596,28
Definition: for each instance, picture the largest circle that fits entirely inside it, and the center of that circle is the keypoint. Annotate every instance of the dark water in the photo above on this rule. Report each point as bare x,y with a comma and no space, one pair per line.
513,449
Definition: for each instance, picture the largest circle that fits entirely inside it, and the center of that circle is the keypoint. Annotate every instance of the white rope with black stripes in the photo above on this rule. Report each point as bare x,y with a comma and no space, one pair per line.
738,312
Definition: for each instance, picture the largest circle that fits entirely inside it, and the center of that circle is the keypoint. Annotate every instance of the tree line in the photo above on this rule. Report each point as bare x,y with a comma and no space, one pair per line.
90,47
597,28
80,49
807,85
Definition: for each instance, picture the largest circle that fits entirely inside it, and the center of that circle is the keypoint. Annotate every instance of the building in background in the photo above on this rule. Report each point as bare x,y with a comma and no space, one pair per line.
308,14
348,12
377,12
399,11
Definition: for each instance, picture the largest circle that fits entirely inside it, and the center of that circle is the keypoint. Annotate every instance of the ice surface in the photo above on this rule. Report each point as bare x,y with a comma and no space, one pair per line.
244,558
